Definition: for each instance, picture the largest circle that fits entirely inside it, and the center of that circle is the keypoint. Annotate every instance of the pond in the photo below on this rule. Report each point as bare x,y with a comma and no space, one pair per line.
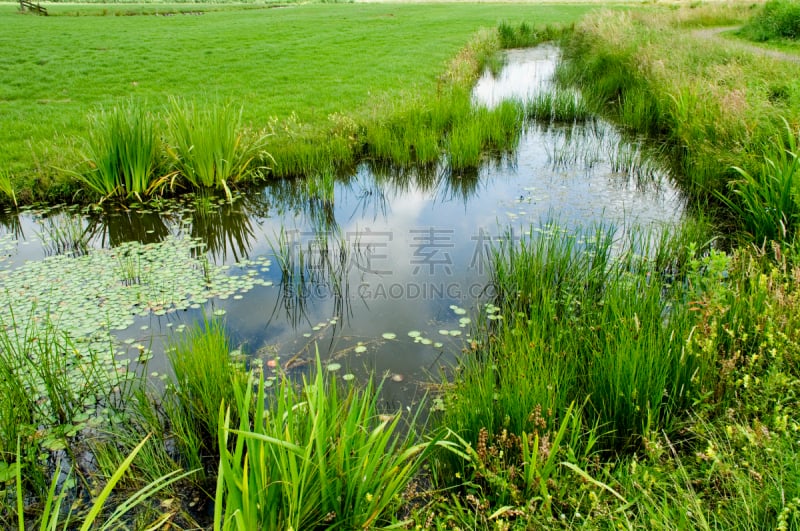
386,276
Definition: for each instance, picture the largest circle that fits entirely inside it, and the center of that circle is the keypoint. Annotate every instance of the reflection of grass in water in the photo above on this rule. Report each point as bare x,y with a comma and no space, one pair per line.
12,224
115,227
222,227
64,233
628,159
317,267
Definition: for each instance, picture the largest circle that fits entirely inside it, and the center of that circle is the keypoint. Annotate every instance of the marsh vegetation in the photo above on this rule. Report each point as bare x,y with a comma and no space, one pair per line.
610,372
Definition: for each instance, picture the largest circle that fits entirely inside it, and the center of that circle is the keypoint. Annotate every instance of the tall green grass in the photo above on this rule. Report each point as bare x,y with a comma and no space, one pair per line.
208,147
777,19
697,96
558,106
312,458
204,377
525,35
767,202
123,154
298,149
609,381
7,186
580,319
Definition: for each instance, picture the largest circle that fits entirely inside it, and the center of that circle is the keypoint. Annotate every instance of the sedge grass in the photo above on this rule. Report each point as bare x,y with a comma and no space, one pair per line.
558,106
312,458
587,316
208,148
204,378
767,202
683,381
123,154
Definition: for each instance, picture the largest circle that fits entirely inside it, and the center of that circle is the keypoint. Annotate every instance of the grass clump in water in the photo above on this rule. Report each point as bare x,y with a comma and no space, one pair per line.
558,106
205,377
123,154
312,458
209,148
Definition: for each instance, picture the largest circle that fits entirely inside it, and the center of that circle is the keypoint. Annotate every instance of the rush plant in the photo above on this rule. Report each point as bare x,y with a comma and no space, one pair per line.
122,154
208,146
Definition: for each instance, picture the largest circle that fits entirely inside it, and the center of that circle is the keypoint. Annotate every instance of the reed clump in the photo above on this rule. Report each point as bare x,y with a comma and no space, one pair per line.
312,457
208,147
123,154
564,105
134,154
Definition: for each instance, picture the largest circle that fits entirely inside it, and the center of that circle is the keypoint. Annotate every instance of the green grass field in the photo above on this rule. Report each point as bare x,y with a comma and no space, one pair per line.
312,60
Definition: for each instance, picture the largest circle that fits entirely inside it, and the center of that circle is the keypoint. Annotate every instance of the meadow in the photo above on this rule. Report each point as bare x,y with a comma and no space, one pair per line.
299,71
649,382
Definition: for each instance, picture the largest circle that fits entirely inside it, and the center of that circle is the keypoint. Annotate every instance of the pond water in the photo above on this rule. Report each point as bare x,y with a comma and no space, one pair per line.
385,277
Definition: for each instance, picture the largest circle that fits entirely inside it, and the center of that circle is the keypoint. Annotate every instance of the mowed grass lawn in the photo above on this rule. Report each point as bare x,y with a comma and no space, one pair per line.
312,60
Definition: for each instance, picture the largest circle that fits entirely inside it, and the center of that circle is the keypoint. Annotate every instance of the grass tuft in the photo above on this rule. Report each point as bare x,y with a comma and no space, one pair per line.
204,377
209,148
123,154
767,202
312,458
560,106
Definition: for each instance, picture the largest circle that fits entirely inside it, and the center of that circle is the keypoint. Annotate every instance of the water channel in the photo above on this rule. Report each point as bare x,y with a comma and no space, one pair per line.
386,278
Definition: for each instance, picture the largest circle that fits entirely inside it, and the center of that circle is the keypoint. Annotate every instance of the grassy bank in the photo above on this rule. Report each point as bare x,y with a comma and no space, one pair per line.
650,382
615,392
651,386
645,384
726,112
312,74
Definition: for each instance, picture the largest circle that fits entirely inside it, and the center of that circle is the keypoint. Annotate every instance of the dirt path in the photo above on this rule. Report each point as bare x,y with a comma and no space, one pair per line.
714,33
